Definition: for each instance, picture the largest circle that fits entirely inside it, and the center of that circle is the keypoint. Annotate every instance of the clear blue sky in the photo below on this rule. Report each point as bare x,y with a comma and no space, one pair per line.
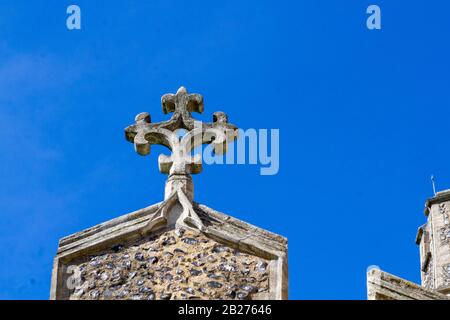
363,118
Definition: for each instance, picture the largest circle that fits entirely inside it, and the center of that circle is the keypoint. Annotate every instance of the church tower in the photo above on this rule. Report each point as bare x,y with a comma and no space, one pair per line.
434,241
177,248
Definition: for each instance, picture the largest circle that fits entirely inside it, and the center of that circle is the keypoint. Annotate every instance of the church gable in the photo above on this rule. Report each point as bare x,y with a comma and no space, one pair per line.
175,249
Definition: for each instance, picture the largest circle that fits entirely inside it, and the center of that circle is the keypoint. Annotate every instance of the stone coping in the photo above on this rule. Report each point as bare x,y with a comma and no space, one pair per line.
385,286
440,196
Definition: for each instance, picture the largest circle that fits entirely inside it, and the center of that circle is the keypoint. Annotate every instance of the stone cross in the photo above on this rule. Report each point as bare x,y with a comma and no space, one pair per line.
181,163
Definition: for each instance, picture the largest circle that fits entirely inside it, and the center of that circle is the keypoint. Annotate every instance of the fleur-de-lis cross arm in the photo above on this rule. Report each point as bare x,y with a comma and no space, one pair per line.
144,133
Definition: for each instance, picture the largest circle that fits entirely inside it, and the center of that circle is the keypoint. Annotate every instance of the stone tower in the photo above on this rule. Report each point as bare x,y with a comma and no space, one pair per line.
175,249
434,241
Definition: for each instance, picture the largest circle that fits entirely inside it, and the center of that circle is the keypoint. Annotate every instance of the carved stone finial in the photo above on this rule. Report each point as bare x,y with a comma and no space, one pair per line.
180,164
181,90
182,104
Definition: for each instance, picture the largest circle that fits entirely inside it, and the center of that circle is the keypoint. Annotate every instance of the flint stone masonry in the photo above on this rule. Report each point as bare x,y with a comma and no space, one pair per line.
176,264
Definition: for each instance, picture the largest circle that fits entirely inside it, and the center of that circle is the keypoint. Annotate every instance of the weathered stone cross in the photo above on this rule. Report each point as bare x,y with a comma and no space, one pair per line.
181,164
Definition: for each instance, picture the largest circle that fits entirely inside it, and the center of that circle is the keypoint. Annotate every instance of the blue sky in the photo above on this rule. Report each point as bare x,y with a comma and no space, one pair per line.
363,119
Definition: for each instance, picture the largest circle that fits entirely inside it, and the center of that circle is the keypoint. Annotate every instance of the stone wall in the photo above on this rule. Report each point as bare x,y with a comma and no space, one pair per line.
174,264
